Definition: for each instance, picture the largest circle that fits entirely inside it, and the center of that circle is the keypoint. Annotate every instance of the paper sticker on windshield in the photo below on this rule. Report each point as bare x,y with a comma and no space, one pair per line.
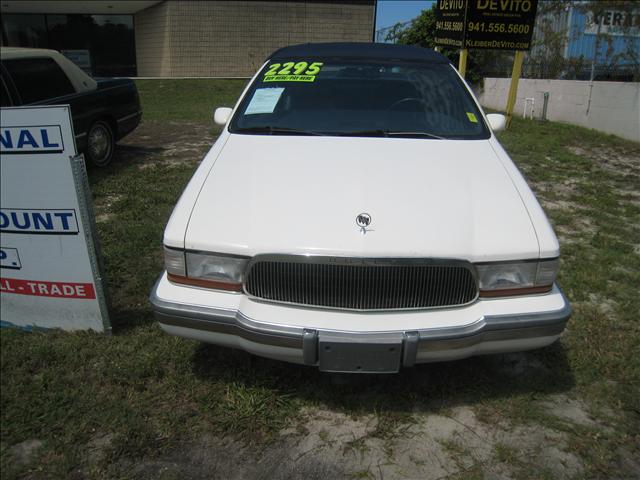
292,72
264,100
472,117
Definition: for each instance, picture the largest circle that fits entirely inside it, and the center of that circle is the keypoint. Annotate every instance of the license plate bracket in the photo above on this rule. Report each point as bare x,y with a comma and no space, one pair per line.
348,356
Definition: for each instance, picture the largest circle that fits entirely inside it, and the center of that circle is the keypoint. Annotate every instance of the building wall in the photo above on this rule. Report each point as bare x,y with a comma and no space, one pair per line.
611,107
618,47
152,41
582,41
233,38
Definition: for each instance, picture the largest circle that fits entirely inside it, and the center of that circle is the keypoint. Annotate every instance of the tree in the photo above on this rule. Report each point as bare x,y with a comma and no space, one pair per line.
546,57
421,31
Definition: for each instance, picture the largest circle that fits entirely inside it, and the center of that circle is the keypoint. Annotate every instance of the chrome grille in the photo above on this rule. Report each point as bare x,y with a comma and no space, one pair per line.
361,284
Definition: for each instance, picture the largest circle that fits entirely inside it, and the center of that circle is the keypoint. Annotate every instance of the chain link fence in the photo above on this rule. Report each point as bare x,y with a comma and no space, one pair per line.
496,64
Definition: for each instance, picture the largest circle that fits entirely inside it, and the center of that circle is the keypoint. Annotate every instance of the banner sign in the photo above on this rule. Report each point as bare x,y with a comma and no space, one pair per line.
613,22
485,24
49,269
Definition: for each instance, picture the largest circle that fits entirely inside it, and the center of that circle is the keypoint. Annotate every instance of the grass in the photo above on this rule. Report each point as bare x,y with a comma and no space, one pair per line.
148,392
594,207
187,100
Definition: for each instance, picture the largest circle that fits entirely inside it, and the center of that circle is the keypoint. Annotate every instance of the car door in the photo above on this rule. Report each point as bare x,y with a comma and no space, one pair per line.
8,96
5,98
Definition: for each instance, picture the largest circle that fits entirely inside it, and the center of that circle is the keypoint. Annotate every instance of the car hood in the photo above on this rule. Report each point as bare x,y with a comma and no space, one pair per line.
300,194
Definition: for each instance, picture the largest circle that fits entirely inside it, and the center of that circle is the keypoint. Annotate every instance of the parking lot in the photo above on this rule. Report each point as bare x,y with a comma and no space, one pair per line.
141,404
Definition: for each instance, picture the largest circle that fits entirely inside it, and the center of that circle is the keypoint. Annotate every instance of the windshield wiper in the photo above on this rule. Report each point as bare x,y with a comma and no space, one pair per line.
357,133
276,130
415,134
388,133
364,133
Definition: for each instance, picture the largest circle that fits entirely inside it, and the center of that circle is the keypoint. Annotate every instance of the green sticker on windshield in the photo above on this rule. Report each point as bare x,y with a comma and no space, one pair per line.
292,72
290,78
472,117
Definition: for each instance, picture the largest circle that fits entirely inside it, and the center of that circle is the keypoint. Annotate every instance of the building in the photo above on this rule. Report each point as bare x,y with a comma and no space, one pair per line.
180,38
584,40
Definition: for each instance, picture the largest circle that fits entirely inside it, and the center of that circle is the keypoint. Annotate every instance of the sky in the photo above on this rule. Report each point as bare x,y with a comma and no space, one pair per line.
391,12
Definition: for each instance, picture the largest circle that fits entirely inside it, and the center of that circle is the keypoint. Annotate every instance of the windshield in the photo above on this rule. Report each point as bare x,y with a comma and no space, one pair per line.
359,98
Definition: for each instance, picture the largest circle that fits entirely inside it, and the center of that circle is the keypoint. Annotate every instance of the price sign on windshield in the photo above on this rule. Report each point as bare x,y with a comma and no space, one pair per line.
292,72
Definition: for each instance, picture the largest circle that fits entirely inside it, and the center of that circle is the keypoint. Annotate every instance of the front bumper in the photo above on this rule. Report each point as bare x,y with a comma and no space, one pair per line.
465,331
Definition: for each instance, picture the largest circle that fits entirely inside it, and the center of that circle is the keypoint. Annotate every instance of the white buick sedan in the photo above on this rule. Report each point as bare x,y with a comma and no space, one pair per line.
358,214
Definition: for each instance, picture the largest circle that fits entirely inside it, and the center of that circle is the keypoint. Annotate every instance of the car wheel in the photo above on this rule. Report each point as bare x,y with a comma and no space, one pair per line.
100,143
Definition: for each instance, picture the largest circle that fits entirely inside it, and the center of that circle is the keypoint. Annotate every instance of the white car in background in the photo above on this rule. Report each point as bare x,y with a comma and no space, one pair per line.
358,214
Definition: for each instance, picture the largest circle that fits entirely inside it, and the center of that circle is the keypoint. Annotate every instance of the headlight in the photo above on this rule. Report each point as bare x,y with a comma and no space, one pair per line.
516,278
222,272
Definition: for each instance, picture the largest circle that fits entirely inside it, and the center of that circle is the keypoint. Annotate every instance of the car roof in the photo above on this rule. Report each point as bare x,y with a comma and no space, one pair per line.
20,52
380,51
80,80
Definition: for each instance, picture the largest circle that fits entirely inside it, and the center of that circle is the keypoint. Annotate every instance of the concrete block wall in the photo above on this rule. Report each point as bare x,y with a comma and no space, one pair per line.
152,41
611,107
233,38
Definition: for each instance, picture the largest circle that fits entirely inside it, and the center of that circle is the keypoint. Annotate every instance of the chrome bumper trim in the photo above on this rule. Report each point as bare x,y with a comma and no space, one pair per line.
488,328
130,116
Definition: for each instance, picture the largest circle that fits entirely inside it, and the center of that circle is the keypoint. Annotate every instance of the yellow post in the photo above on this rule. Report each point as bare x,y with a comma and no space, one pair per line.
513,88
462,64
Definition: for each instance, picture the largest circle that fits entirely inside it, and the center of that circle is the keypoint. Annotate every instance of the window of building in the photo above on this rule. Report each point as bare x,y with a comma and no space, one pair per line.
38,79
113,45
24,30
102,45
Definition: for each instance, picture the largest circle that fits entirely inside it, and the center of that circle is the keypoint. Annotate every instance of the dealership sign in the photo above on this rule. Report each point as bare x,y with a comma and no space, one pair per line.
485,24
49,270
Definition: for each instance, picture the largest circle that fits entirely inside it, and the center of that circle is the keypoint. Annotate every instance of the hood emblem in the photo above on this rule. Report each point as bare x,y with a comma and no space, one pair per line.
363,220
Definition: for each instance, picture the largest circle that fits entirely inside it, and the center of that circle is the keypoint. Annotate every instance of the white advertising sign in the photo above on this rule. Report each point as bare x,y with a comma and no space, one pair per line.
49,271
613,22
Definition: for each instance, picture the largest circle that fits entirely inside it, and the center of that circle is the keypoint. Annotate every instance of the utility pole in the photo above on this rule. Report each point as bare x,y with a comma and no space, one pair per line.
596,48
593,61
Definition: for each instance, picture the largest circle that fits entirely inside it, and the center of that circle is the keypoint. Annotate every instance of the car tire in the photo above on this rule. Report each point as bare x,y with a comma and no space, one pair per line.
101,143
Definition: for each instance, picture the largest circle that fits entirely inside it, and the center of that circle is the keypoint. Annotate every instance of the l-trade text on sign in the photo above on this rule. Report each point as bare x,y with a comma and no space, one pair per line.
51,222
40,288
37,139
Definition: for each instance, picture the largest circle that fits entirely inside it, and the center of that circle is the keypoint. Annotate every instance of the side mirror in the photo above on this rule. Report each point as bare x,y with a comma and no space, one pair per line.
497,121
221,115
